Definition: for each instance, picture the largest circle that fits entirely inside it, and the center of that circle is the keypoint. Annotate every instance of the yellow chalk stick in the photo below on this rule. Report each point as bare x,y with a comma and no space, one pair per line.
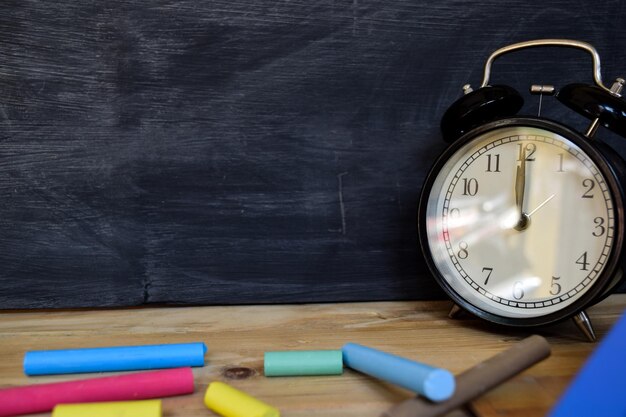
230,402
145,408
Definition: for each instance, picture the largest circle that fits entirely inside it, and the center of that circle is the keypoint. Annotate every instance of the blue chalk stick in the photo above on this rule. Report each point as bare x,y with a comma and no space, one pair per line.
123,358
597,389
434,383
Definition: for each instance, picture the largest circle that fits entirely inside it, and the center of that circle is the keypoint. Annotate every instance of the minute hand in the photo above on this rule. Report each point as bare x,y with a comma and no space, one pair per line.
520,186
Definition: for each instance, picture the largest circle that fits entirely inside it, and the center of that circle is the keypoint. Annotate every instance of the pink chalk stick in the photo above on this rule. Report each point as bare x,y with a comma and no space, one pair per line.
138,386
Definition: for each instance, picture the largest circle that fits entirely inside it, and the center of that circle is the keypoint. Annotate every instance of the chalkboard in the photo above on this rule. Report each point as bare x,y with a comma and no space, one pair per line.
220,152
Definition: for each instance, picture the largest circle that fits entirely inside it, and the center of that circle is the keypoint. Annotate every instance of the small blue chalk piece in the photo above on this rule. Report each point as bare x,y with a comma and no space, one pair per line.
107,359
436,384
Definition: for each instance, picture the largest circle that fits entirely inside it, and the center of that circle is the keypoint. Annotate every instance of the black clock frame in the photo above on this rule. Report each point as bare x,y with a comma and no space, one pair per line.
611,166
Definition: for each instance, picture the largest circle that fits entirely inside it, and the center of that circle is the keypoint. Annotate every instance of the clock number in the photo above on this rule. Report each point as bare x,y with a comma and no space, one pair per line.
527,150
463,253
600,229
470,186
518,290
455,213
489,271
560,163
589,184
493,163
555,288
582,261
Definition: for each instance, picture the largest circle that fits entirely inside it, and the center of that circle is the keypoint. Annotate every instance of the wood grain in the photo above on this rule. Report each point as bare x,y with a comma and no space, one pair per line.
237,337
223,152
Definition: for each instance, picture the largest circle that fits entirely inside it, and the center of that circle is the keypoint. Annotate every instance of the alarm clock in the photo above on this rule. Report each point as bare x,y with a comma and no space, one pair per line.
521,219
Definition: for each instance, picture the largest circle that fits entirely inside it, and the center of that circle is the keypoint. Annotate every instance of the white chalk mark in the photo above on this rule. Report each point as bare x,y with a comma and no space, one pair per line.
355,8
342,207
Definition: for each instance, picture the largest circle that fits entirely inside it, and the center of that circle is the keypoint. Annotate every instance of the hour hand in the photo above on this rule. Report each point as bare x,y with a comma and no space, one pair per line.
520,186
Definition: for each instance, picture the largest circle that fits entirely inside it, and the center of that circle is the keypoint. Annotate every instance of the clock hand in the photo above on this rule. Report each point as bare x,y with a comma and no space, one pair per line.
541,205
520,186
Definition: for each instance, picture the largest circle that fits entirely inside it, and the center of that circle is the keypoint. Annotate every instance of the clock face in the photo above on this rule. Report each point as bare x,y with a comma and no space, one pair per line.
520,222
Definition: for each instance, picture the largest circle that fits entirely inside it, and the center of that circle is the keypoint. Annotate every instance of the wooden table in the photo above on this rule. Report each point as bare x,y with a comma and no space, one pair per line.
237,337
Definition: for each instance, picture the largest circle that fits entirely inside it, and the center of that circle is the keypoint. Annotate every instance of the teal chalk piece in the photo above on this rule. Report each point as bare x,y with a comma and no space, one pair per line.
303,363
436,384
107,359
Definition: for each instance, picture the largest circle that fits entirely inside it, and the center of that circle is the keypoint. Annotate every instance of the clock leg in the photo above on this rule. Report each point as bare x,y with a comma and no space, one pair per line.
455,311
584,324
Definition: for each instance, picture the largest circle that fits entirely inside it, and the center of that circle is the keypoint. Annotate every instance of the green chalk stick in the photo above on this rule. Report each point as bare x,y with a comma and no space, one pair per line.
304,362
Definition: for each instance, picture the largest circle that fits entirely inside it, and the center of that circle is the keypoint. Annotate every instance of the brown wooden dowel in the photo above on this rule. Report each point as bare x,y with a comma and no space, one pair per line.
481,378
